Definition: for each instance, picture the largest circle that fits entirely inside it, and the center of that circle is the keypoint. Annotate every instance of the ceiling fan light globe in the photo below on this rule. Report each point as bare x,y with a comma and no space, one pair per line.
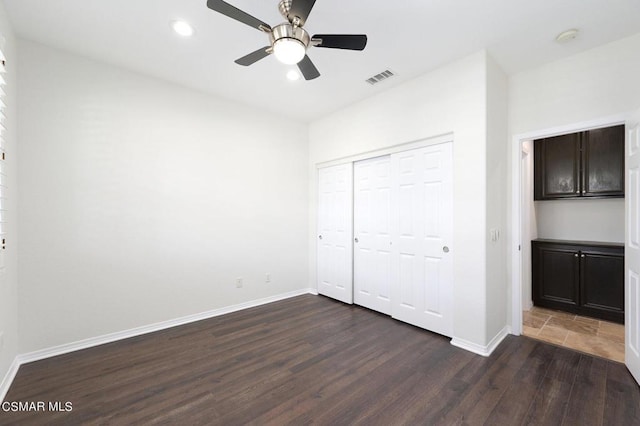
289,51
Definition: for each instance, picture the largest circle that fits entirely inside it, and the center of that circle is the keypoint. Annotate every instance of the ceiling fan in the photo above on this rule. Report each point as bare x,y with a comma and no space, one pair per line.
289,41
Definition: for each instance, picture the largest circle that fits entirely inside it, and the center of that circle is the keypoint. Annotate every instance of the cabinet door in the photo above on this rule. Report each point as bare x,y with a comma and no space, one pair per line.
603,162
555,276
602,283
557,167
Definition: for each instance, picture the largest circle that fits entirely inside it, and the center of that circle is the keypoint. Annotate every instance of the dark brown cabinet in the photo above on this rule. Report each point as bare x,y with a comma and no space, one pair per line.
580,165
584,278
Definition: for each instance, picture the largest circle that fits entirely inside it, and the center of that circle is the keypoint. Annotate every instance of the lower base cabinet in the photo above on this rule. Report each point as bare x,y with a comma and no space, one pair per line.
584,278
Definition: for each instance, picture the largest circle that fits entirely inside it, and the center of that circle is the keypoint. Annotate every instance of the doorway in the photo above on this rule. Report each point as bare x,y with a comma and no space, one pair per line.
595,336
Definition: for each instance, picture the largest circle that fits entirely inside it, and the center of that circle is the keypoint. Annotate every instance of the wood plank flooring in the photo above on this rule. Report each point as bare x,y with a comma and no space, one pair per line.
310,359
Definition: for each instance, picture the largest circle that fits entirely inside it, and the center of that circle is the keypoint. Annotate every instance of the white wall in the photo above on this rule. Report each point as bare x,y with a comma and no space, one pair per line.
598,85
591,85
8,277
587,220
450,99
497,164
142,201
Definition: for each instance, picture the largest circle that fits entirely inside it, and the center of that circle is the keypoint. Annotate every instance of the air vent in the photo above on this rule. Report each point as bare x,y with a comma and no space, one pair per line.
380,77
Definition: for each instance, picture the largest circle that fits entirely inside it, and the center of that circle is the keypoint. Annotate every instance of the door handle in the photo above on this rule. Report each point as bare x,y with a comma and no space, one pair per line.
356,239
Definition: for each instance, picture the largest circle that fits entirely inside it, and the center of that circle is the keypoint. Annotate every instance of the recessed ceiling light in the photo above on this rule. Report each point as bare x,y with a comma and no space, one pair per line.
182,28
567,36
293,75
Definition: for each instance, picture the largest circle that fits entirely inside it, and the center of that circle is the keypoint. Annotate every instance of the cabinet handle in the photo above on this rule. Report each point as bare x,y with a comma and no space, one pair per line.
582,256
320,236
575,255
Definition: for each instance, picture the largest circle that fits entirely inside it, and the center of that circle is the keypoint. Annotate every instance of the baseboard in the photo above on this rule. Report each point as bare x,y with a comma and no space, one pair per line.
138,331
528,305
8,378
485,350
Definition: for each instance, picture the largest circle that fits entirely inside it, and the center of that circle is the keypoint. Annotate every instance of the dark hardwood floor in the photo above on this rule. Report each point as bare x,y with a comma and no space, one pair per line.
312,360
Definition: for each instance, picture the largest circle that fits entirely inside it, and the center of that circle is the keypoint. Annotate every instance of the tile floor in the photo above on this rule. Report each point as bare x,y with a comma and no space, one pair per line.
590,335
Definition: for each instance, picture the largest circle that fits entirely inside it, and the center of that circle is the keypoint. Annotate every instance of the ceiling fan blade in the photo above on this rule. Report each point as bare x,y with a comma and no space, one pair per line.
254,57
308,70
341,41
301,9
237,14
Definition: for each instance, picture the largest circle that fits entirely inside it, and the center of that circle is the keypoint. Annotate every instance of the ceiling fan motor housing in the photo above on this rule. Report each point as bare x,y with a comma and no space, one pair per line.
288,31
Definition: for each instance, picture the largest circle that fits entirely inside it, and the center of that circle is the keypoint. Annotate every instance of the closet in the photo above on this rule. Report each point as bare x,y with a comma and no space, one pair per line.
397,211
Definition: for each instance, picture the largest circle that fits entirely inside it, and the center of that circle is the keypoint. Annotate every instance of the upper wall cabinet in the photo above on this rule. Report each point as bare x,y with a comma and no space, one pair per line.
580,165
557,167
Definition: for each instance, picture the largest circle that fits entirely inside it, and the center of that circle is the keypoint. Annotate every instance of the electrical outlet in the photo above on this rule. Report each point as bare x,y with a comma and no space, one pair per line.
239,282
267,278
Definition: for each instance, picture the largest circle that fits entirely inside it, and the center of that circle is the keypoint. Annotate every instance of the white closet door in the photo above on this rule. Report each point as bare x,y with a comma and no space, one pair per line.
335,219
422,269
372,234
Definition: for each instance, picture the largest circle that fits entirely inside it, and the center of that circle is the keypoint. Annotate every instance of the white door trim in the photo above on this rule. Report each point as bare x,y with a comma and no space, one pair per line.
405,146
516,205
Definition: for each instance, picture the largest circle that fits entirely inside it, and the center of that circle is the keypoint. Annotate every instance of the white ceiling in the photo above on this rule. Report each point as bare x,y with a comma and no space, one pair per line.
410,37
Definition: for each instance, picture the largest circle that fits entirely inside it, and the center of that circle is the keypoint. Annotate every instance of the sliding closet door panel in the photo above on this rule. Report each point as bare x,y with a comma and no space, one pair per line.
372,234
422,220
406,207
335,249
